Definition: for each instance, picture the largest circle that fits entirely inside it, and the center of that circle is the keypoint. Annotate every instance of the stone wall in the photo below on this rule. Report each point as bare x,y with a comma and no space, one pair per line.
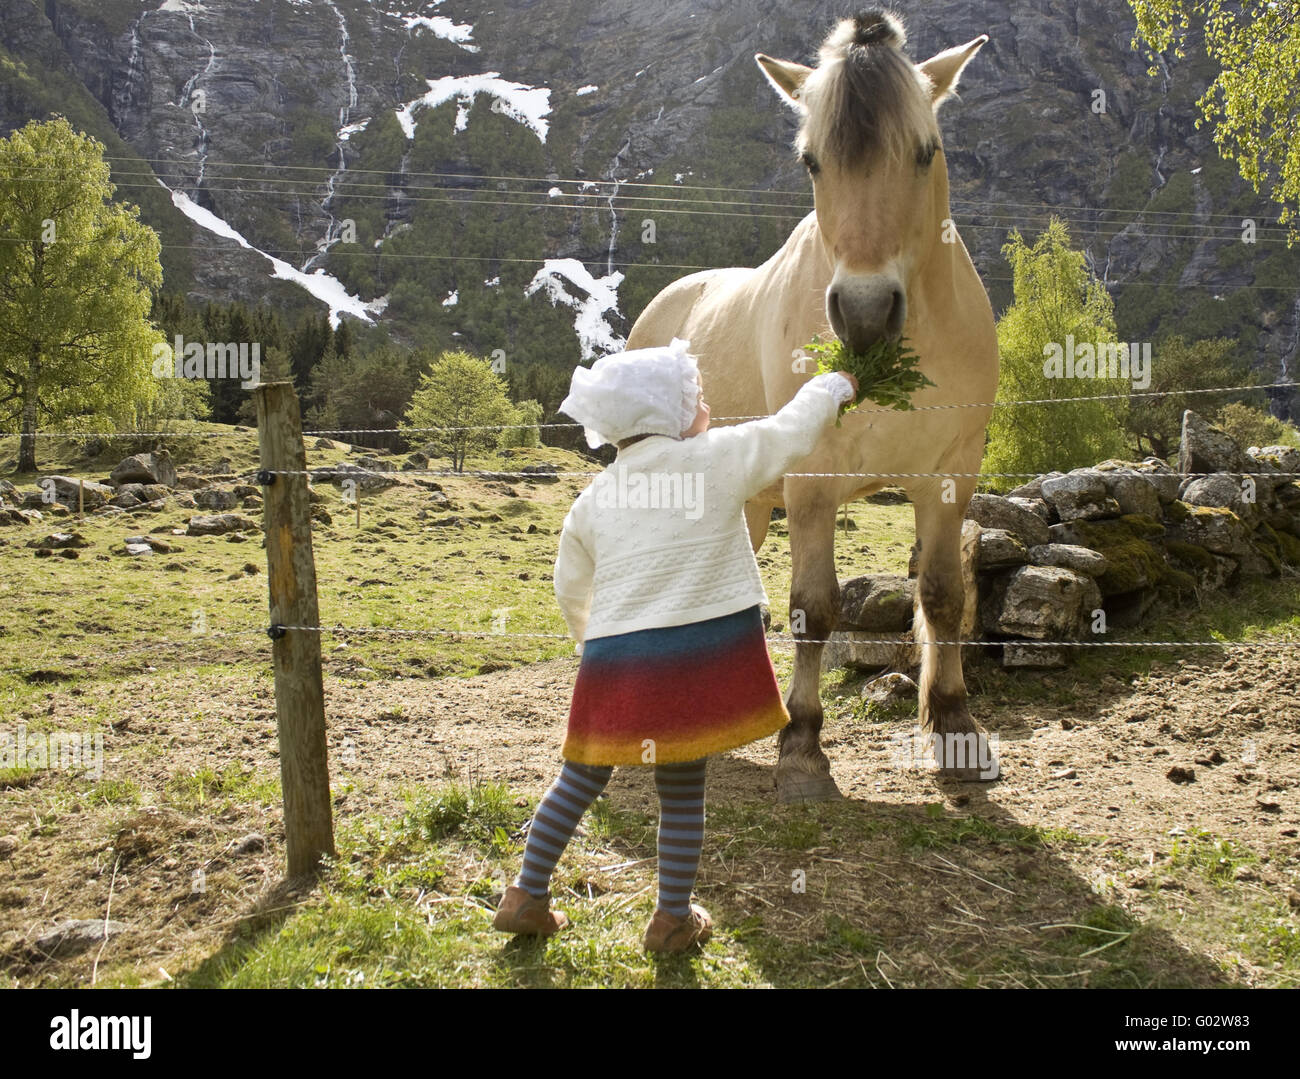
1076,556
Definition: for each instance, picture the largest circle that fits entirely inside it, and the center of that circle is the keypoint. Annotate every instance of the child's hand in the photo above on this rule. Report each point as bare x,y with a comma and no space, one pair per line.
853,380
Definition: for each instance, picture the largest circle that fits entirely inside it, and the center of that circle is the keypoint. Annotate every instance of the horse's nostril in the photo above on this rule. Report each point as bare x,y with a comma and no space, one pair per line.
897,312
834,311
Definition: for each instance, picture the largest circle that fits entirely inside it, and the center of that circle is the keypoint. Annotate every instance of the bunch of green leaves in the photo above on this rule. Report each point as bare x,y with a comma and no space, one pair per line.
886,372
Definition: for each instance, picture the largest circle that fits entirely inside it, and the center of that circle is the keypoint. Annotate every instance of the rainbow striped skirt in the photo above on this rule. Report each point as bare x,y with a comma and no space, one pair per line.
661,696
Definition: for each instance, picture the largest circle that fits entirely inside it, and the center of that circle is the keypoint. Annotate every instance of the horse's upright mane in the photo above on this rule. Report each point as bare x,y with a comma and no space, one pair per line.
865,97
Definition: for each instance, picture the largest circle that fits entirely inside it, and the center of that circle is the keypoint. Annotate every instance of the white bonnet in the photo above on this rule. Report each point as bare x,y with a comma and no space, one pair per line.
645,391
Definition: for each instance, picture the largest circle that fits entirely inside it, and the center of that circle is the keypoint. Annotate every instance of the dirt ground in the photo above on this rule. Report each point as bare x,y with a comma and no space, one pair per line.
1099,766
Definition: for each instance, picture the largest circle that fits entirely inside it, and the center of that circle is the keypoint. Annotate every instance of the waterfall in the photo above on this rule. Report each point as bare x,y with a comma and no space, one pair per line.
345,111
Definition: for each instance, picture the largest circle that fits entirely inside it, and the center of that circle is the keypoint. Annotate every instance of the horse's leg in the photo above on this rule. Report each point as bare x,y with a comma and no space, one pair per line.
803,772
961,749
758,516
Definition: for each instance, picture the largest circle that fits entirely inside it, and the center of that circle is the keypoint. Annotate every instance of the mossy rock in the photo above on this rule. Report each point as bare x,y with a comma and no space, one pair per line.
1210,511
1177,583
1177,511
1190,554
1133,562
1141,525
1289,547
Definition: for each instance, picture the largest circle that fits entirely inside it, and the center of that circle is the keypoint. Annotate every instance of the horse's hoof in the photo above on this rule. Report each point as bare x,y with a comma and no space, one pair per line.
798,786
971,775
964,765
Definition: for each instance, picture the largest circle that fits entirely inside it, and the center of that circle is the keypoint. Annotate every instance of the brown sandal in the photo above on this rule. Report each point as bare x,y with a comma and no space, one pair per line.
671,934
521,912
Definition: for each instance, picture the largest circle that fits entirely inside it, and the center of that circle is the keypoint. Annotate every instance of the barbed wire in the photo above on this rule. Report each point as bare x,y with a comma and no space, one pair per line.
34,665
416,634
715,419
332,472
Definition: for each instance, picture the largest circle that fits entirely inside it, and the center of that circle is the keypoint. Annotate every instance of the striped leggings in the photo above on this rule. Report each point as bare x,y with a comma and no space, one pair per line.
681,827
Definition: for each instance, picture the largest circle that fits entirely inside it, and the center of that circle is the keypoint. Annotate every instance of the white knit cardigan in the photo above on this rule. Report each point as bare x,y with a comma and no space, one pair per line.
659,537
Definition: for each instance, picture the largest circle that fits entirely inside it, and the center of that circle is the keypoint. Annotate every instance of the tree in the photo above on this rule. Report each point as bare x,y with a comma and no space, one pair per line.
77,275
459,391
1058,309
1251,103
367,391
1180,365
523,430
1254,427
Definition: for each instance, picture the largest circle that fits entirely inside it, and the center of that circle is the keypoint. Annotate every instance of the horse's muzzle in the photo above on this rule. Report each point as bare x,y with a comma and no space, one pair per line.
864,309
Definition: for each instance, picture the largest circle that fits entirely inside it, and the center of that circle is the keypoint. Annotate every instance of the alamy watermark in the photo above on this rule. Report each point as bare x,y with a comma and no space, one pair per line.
617,488
216,359
1105,359
969,749
62,750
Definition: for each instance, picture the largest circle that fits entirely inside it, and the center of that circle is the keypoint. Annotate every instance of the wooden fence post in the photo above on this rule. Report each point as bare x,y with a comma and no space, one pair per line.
291,575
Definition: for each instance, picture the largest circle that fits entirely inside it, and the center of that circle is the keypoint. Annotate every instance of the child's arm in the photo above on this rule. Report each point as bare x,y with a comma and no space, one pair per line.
761,451
573,572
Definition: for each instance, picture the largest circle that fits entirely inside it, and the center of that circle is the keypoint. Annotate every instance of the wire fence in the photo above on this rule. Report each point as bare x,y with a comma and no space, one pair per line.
333,472
1253,388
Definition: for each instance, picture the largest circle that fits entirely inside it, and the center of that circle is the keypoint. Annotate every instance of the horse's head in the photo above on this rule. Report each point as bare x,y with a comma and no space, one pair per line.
870,142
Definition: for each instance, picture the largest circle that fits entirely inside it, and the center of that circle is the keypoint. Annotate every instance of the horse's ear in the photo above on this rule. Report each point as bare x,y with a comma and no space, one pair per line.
787,77
945,68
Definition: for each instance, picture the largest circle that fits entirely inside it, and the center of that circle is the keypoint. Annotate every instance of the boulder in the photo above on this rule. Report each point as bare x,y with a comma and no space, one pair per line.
155,467
1225,491
58,541
216,499
12,516
1036,506
1080,495
999,549
1040,603
1034,658
1131,545
880,603
1283,458
543,473
1034,488
366,479
219,524
993,512
1209,571
1069,556
862,650
1133,491
888,689
1208,449
1163,478
1218,530
132,495
66,491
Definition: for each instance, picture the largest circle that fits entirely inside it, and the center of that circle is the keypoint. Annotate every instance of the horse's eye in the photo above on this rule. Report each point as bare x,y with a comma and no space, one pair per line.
810,163
925,154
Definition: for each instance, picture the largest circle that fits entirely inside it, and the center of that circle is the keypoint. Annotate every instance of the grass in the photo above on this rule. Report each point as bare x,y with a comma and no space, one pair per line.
846,894
841,894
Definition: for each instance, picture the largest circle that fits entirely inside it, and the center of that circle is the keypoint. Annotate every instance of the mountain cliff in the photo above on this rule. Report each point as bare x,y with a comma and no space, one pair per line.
523,176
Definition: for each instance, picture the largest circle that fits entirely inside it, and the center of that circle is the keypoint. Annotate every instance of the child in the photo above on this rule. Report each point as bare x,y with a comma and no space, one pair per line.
658,583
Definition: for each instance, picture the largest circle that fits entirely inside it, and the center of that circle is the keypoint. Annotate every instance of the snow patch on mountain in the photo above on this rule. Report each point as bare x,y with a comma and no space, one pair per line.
528,105
329,290
595,335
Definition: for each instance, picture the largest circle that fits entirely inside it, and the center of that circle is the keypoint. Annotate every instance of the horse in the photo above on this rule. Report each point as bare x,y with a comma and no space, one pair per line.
877,258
